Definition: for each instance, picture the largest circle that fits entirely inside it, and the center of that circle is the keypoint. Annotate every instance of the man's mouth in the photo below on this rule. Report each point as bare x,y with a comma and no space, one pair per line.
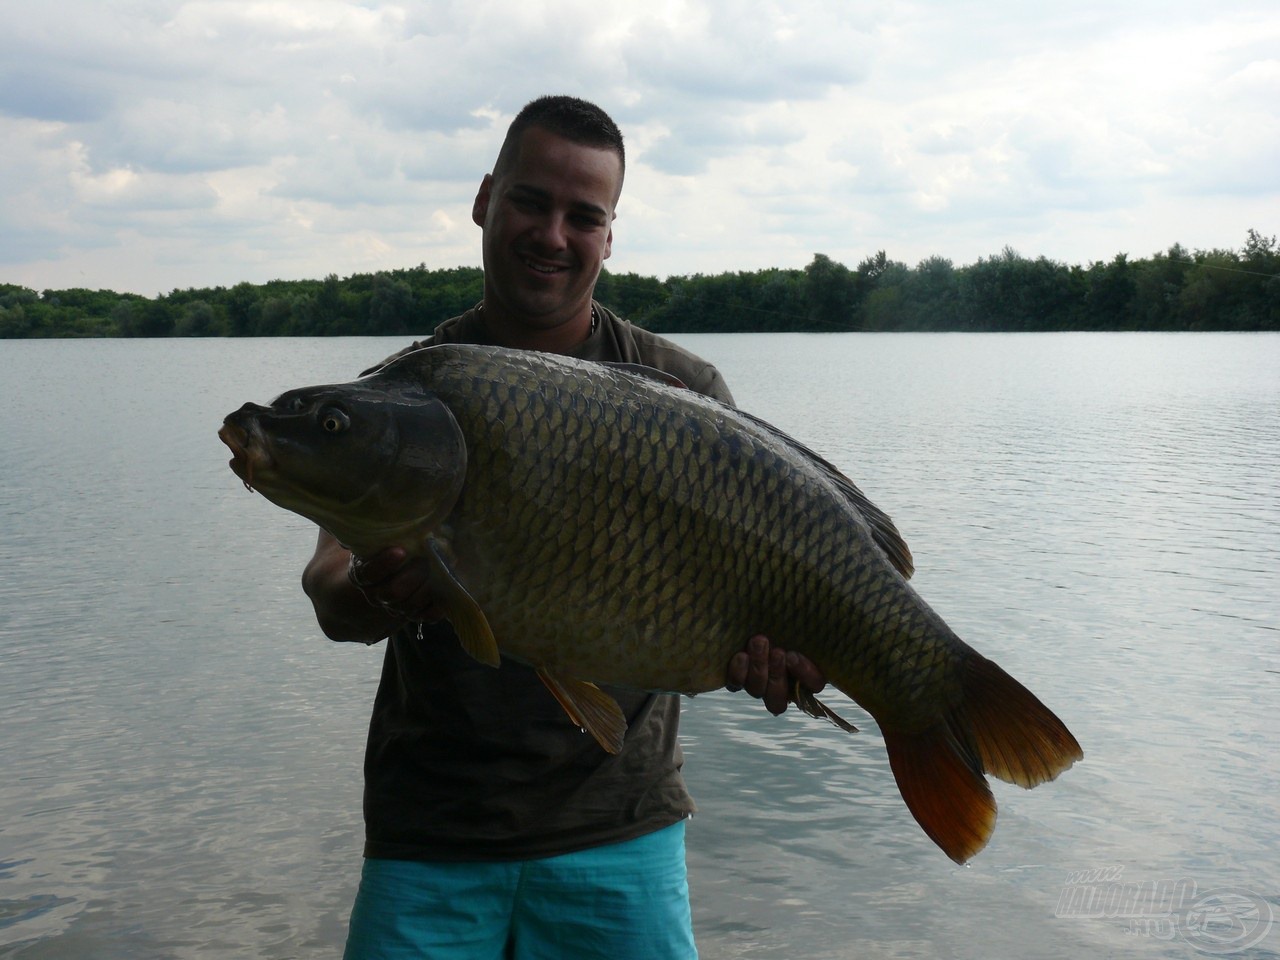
547,269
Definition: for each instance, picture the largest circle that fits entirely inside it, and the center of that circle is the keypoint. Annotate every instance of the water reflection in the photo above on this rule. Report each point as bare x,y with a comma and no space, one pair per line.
1098,513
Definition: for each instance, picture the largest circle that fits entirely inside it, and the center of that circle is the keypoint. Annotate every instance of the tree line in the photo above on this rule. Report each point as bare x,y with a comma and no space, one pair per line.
1178,289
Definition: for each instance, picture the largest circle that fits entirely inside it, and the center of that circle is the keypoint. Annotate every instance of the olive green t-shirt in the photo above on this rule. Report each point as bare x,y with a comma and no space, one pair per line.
465,762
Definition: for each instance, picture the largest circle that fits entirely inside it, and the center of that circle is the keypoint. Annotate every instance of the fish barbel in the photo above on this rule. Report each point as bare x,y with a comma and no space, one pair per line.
606,526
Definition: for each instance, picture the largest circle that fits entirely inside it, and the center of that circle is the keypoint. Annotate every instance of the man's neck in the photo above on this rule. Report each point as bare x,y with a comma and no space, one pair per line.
562,338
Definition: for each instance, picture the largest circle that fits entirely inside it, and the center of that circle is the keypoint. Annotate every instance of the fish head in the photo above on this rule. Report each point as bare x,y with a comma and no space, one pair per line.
375,464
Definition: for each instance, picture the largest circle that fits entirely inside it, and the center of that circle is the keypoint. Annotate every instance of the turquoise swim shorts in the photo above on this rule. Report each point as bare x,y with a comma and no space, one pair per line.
624,901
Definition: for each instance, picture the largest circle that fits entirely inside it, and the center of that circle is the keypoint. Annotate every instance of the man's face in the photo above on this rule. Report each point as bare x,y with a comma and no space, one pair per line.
547,229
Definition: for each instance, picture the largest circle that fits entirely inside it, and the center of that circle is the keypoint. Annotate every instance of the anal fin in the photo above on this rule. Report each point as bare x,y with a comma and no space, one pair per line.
590,708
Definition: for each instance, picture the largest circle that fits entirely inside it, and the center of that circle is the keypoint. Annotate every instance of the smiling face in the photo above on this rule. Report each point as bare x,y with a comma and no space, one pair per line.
547,219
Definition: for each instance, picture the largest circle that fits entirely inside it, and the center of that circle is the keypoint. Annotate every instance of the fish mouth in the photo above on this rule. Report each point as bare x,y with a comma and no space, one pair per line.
237,439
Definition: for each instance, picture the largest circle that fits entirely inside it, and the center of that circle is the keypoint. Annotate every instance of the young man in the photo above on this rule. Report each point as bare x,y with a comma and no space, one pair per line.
495,828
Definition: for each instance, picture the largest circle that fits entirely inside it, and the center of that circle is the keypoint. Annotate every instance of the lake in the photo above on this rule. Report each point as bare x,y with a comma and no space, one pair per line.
1099,513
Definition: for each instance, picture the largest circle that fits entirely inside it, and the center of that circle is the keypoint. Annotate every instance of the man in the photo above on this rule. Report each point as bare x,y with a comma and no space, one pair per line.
494,828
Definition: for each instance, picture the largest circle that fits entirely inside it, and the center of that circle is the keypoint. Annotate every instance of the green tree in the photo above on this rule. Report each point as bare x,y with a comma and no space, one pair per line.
631,296
930,296
243,310
196,320
1158,286
1011,292
1109,298
14,322
327,309
277,318
831,294
881,282
391,308
1174,290
1261,257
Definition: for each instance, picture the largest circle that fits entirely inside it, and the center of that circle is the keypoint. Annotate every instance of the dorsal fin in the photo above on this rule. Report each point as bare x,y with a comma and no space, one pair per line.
883,531
647,373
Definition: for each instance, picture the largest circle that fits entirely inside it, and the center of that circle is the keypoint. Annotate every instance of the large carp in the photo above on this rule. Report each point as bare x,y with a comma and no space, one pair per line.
604,525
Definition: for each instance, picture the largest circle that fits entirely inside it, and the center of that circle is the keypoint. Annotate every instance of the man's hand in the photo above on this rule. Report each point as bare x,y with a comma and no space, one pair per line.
396,584
366,600
770,673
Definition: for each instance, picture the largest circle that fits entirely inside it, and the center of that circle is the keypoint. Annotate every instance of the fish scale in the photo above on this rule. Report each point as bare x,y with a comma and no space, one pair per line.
735,482
608,527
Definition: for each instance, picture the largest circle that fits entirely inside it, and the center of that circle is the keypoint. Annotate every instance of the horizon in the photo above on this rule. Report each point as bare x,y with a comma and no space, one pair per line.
666,279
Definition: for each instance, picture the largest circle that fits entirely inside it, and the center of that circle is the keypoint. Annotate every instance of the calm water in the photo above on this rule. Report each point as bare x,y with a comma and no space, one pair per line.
180,749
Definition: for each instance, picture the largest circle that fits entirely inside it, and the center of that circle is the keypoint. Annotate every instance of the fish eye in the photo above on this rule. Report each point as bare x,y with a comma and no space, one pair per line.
333,420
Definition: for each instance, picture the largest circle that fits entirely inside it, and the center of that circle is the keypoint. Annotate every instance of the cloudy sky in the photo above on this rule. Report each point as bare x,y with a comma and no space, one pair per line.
148,145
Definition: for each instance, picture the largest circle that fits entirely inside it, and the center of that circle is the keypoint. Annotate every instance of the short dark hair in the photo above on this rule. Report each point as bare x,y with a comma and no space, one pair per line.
576,120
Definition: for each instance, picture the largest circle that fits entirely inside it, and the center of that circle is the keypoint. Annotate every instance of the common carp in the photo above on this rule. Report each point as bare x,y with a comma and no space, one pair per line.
606,526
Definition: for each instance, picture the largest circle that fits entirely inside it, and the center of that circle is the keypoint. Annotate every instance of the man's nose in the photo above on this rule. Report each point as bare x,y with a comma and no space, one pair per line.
550,231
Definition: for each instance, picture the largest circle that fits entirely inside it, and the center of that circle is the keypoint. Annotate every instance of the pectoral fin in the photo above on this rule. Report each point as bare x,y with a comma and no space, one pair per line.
590,708
469,621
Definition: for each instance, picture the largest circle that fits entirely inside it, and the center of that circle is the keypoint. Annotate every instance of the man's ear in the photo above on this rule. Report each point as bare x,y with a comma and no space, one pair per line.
480,207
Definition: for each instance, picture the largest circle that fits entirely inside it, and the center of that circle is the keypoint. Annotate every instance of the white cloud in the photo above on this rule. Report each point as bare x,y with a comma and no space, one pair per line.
167,143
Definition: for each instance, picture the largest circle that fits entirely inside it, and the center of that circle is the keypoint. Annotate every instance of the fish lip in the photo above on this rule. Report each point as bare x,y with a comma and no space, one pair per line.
237,438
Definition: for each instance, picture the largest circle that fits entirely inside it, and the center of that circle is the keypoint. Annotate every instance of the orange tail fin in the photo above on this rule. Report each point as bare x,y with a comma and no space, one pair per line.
999,727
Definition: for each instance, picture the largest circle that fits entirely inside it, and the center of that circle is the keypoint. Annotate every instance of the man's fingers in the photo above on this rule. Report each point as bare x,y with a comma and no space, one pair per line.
770,674
765,674
367,572
757,679
406,591
801,669
776,687
736,675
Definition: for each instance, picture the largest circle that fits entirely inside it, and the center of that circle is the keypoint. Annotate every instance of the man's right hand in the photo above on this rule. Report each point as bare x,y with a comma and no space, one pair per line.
368,599
397,584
